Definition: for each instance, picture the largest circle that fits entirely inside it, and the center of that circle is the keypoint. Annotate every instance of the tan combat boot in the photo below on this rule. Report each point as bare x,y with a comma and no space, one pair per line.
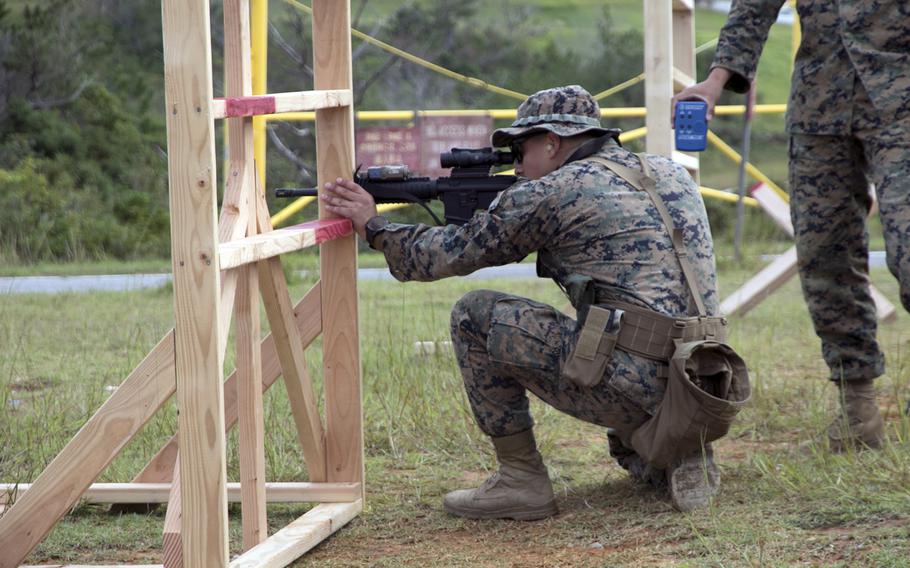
859,423
694,481
520,490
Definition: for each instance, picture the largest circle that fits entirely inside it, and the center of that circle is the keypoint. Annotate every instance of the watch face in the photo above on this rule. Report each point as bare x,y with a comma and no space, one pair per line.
377,223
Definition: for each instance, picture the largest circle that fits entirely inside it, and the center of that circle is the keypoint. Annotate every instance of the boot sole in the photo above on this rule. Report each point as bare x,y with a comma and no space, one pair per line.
518,514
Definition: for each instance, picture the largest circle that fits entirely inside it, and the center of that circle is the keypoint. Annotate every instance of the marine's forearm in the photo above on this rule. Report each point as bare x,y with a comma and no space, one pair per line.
742,39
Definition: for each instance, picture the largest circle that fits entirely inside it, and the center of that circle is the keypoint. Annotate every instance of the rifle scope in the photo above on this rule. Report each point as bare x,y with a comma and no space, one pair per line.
468,158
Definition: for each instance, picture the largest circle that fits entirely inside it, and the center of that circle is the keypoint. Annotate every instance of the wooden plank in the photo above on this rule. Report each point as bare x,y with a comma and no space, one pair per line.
278,103
275,492
779,211
172,543
687,161
249,404
658,69
267,245
289,347
197,286
97,443
774,206
309,323
338,258
292,541
761,285
681,80
248,354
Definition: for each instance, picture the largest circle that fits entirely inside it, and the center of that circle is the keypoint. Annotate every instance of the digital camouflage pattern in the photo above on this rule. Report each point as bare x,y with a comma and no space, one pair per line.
582,220
849,121
829,204
565,111
845,44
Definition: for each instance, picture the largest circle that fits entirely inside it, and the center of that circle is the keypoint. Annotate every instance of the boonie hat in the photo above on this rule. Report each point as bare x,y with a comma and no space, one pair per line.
565,111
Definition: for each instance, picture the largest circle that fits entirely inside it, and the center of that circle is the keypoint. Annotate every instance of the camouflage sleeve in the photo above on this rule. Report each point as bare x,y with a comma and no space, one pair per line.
520,221
742,39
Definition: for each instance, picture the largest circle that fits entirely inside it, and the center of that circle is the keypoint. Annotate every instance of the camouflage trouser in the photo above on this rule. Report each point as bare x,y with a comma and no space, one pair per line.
829,184
507,345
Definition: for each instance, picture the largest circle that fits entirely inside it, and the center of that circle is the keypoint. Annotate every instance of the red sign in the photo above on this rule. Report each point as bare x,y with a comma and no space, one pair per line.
388,145
440,134
419,147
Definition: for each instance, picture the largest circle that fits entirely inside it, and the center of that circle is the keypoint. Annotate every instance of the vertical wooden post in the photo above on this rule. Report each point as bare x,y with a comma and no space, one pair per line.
194,246
338,258
658,75
238,76
684,52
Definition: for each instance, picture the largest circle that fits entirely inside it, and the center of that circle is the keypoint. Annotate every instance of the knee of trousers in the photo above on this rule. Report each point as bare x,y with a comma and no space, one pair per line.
471,317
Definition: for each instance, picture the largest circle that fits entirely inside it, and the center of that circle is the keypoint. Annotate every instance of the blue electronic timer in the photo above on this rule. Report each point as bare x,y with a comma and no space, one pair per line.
691,126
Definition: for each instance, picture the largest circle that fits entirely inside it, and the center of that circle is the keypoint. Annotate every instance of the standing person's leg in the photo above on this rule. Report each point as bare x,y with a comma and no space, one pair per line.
829,204
887,150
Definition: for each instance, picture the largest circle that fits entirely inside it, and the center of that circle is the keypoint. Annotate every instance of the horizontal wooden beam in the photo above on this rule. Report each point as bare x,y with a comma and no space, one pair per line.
681,80
295,539
232,107
267,245
761,285
685,160
297,492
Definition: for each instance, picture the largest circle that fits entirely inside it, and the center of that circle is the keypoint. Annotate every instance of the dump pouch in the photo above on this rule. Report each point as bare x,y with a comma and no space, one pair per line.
708,385
596,340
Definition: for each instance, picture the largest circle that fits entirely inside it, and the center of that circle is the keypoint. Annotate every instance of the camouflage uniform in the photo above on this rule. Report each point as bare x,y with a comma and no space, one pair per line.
849,124
581,220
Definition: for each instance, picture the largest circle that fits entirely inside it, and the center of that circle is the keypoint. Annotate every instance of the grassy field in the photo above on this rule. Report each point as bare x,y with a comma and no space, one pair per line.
785,499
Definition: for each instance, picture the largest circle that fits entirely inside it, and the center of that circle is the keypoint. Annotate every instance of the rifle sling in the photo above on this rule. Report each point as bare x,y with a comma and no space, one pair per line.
643,181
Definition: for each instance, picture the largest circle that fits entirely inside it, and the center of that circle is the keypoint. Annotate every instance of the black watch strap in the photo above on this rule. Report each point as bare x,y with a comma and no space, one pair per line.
373,226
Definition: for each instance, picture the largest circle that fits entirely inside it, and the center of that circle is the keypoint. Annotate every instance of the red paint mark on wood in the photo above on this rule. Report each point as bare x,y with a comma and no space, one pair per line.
248,106
328,229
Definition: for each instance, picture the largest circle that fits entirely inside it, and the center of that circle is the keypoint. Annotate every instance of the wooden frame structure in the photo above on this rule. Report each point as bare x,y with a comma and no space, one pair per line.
221,269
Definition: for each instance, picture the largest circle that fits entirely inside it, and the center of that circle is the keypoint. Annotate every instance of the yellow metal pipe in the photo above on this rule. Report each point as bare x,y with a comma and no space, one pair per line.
506,114
635,134
726,196
282,216
259,46
753,171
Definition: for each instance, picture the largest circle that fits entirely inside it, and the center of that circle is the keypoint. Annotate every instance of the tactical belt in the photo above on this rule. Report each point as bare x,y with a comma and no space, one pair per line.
654,335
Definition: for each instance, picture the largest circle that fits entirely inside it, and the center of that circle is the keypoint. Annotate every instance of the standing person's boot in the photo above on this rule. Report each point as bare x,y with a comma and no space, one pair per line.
520,490
860,422
694,481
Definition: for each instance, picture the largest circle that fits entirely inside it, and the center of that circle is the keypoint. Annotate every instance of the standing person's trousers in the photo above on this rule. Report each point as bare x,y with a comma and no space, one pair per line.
830,178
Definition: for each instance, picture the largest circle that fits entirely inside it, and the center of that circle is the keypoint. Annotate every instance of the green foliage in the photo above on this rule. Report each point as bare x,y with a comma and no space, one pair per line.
80,182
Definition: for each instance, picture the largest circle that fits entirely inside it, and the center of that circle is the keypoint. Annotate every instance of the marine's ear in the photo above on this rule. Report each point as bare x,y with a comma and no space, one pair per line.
553,144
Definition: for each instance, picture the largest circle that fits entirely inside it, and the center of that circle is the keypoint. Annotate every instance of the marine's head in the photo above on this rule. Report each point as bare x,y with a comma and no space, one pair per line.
549,125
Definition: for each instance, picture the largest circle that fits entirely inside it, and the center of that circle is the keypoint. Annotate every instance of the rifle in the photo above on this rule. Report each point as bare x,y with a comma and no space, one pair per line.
471,187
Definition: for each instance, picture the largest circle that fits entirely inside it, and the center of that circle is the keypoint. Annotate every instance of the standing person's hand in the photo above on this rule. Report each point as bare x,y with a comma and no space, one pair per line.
708,90
345,198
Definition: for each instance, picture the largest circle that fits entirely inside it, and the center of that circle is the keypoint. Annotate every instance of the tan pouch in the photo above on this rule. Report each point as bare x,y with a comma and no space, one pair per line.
588,361
707,386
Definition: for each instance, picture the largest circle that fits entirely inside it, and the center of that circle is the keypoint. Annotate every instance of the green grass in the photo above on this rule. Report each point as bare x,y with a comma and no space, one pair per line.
785,499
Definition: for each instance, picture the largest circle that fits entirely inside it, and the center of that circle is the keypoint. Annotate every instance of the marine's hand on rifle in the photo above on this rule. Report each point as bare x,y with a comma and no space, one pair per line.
347,199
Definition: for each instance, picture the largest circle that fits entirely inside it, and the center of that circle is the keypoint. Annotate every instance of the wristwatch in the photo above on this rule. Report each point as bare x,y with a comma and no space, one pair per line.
373,226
